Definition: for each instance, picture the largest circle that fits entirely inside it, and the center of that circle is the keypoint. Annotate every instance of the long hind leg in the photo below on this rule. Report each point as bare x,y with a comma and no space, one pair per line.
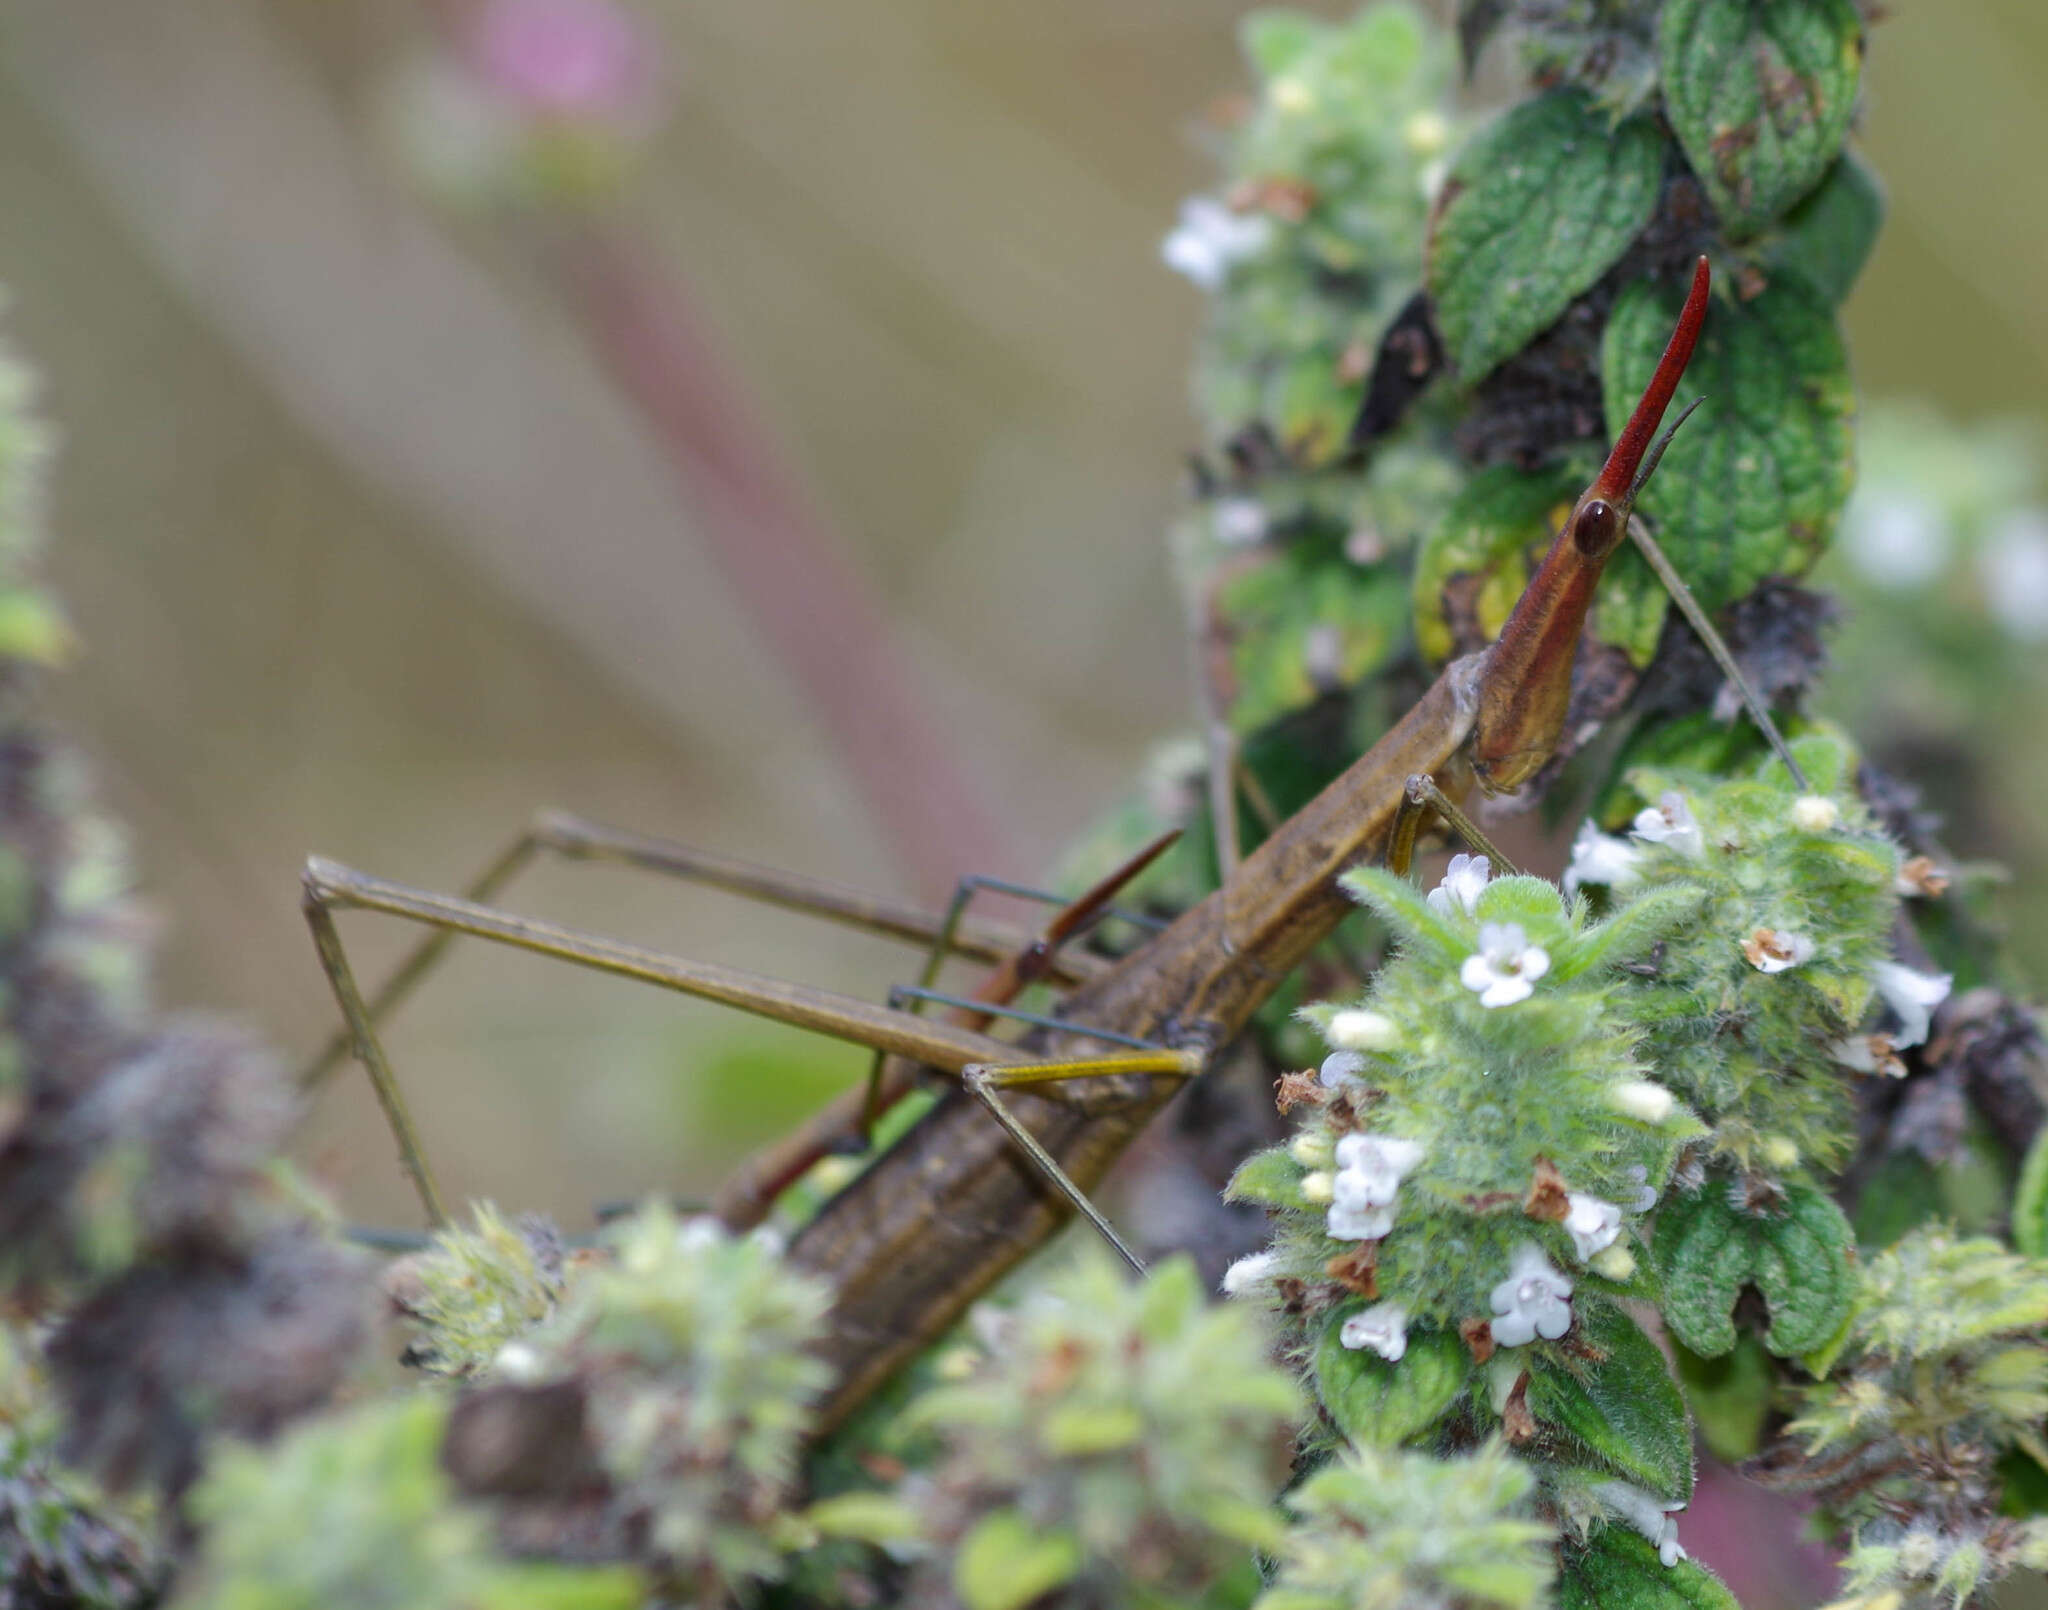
575,839
330,888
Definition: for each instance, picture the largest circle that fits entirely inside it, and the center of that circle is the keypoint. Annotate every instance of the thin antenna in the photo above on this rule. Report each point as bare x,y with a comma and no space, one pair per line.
1655,456
1717,645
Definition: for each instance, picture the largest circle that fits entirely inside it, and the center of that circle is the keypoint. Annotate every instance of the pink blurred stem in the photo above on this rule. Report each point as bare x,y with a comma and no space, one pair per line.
789,568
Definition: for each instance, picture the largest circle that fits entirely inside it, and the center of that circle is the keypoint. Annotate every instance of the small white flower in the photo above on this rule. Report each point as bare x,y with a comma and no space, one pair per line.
1360,1030
700,1234
1647,1514
1507,966
1772,950
1464,880
1369,1170
1670,822
1815,813
1593,1225
1643,1100
1599,857
1869,1053
1342,1068
1343,1223
1237,522
518,1363
1246,1273
1210,240
1532,1301
1382,1327
1646,1193
1912,997
1371,1167
2013,566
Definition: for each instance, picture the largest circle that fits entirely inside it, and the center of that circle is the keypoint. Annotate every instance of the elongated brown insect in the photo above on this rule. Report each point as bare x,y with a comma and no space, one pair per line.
953,1205
1003,1159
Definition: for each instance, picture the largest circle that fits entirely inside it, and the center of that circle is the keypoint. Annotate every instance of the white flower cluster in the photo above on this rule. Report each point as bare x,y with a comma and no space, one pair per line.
1369,1172
1602,858
1507,965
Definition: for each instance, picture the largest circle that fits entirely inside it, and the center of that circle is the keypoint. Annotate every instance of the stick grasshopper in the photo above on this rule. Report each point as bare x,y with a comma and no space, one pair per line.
1010,1153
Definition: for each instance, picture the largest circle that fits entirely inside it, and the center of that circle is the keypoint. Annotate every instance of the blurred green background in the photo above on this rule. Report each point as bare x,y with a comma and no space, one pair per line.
370,558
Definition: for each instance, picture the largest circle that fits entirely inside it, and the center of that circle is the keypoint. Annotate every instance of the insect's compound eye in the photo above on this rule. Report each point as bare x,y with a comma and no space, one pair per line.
1596,528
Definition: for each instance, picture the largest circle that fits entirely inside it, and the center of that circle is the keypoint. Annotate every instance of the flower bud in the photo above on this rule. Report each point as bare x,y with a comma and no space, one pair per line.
1643,1099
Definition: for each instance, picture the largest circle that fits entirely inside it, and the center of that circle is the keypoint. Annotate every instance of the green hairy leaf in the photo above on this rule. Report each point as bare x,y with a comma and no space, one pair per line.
1271,1178
1827,237
1753,485
1799,1258
1378,1404
1625,1410
1538,206
1759,93
1619,1570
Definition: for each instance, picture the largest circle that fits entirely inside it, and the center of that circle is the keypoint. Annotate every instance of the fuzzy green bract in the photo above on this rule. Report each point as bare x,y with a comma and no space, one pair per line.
476,1290
1759,93
1538,206
1383,1530
1348,117
1126,1438
1754,484
1294,569
1934,1406
691,1348
353,1513
1751,1049
1489,1096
